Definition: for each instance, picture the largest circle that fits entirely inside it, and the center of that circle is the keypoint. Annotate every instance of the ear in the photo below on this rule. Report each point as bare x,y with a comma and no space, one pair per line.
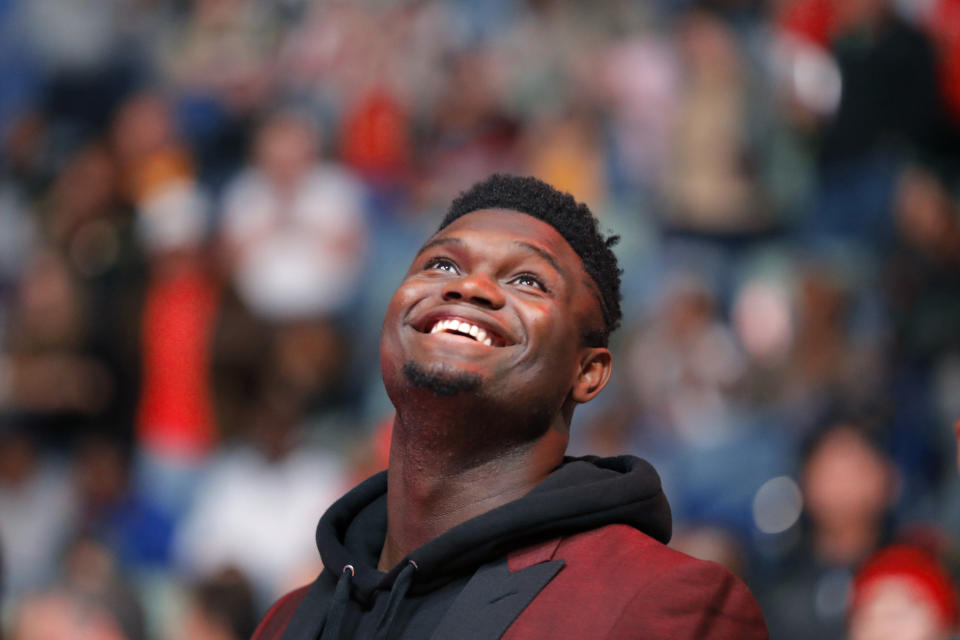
596,363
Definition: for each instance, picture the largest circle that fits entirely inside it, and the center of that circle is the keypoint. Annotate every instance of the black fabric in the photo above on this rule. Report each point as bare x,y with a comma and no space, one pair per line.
397,593
493,599
581,495
338,607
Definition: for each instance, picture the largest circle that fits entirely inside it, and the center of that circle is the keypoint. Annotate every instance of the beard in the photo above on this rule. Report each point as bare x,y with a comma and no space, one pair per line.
442,380
470,419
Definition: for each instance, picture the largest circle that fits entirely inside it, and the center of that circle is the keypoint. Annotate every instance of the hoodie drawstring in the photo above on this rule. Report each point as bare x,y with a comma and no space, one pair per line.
400,587
338,607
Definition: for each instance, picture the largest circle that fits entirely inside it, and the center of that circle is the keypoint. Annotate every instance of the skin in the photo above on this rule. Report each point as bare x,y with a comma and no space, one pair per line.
454,457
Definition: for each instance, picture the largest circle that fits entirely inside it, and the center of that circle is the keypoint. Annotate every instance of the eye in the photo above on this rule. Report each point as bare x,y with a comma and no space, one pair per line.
529,280
441,264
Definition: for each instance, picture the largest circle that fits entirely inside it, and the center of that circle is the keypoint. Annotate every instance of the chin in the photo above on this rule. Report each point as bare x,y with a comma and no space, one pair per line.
441,378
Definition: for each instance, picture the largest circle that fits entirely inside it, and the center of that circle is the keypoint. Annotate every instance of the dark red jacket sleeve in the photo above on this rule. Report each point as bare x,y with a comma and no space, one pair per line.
278,617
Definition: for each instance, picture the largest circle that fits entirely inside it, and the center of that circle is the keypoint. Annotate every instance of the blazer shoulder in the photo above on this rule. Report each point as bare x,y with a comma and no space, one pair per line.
673,595
622,546
685,597
277,618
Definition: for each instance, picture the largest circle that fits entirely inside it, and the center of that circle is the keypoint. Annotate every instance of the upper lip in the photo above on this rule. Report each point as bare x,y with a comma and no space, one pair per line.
500,336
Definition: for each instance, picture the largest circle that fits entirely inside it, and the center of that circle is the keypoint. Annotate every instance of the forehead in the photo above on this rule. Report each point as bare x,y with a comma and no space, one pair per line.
506,227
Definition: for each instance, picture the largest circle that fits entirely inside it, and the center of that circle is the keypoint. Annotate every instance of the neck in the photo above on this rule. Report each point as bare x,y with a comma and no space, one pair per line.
433,487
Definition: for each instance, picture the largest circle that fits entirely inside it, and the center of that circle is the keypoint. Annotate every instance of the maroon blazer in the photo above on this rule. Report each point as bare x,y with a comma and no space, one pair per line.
619,583
612,583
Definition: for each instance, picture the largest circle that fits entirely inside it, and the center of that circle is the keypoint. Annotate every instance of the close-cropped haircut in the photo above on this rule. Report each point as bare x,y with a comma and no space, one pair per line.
571,219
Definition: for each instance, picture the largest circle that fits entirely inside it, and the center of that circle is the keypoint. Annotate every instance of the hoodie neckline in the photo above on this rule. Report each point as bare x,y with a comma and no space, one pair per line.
582,494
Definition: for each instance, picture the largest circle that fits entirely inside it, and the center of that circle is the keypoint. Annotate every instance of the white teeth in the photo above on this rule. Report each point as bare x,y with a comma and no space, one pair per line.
463,327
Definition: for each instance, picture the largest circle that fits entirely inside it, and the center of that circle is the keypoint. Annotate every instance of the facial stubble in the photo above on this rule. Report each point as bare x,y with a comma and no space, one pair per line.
524,425
443,380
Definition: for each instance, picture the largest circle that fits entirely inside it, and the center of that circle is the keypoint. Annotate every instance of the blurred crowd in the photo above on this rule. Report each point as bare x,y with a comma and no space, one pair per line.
205,205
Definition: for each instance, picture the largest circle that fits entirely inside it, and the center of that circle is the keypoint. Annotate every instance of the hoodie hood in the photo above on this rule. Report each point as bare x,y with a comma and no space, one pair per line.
582,494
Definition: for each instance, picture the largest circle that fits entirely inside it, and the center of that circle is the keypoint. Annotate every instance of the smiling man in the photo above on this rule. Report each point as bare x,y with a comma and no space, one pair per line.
481,528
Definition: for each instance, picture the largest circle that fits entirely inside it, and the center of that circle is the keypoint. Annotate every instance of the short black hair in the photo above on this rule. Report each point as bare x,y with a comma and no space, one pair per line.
573,220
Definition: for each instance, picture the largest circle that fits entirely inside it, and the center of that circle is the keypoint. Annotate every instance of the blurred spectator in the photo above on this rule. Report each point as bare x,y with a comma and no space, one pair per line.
222,607
176,426
37,513
922,286
86,230
113,511
148,151
712,185
764,318
898,107
376,139
471,134
54,376
223,47
903,593
67,616
890,110
639,86
686,362
924,271
848,485
829,359
565,151
257,507
92,601
47,319
294,229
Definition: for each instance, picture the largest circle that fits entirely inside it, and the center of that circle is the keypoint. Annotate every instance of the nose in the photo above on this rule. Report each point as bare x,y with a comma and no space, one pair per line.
476,287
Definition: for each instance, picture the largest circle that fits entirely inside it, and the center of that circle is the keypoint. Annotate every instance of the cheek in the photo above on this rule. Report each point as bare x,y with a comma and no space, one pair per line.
393,322
555,336
401,304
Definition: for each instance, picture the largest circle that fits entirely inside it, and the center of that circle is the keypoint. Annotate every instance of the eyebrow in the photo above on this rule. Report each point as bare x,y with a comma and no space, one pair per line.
439,242
546,255
453,240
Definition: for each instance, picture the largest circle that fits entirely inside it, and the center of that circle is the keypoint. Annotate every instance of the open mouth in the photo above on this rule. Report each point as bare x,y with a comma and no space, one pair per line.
465,329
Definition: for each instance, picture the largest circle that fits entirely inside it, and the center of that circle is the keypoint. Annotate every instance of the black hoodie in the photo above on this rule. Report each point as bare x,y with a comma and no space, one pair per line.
353,599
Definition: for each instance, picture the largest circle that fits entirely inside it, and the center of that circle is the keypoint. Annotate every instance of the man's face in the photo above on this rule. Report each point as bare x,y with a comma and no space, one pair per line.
495,305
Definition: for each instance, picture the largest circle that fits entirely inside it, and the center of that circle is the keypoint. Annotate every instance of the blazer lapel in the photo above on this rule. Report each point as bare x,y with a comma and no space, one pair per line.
492,600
